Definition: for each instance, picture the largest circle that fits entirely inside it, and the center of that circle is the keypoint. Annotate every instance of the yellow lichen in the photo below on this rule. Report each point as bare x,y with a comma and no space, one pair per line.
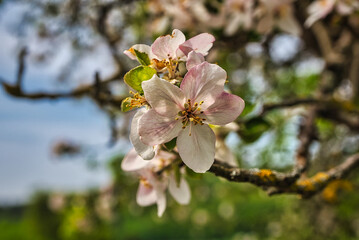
306,184
330,193
266,175
311,184
320,177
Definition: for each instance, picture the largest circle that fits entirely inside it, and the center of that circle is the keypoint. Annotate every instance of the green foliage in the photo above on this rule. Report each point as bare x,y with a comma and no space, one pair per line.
137,75
253,129
171,144
218,210
326,128
288,84
125,105
142,58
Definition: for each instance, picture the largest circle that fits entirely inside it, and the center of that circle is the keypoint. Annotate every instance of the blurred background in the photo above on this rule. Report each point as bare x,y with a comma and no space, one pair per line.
63,136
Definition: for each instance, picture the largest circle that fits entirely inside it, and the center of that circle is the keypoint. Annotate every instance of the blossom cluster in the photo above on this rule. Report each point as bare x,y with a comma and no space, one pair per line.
262,16
181,98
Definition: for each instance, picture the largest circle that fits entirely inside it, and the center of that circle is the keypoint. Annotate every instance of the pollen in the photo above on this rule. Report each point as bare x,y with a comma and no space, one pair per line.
145,182
190,114
132,51
136,101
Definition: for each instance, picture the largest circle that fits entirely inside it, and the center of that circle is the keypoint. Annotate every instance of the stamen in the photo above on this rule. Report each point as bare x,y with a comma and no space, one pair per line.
135,101
145,182
190,114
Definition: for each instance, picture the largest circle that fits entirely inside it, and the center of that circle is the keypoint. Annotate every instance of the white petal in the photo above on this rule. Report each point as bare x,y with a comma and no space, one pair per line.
141,48
165,98
194,59
166,46
144,49
130,54
145,151
204,82
197,151
181,193
161,203
132,161
146,195
224,110
200,43
155,129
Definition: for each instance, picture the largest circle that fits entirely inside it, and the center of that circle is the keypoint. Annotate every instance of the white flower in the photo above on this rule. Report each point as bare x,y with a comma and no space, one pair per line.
278,13
152,188
185,112
167,50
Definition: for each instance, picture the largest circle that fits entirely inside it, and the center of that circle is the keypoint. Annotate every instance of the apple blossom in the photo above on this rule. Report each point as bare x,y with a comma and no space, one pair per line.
321,8
240,14
194,59
277,13
166,51
185,112
152,188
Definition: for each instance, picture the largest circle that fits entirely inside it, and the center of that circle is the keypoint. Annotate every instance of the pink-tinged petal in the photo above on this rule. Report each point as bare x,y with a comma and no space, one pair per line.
161,203
318,10
165,98
145,151
204,82
181,193
200,43
194,59
146,195
129,54
166,46
197,151
225,109
141,48
165,155
155,129
133,162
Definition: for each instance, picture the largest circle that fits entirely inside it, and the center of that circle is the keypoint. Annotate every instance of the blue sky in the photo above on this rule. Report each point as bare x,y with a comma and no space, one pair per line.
28,129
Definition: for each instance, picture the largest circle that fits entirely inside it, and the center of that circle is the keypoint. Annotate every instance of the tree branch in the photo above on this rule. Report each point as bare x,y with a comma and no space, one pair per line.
281,182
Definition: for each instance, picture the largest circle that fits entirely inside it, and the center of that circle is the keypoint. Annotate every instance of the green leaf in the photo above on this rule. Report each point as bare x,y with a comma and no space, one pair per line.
142,58
137,75
248,109
253,129
125,105
171,144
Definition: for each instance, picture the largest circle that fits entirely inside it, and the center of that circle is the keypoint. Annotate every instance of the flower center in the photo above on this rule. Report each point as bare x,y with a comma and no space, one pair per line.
145,182
190,114
169,64
136,101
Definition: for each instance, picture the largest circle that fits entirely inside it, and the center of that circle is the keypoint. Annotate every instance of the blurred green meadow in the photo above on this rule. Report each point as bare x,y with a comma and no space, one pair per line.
218,210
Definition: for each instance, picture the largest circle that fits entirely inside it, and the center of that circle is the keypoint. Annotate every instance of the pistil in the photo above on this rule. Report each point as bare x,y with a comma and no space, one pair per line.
190,114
